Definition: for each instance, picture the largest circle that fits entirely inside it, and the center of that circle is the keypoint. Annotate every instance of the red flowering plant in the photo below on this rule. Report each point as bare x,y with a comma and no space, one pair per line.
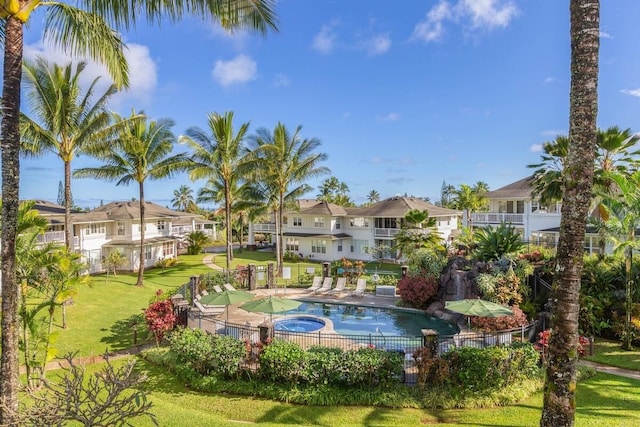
488,324
542,345
160,317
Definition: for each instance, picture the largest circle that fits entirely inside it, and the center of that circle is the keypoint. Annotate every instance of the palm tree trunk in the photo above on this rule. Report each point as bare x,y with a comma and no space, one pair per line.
628,263
142,229
559,391
12,75
280,240
227,213
68,232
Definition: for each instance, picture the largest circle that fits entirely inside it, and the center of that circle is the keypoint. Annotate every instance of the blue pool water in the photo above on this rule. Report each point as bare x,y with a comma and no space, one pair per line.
299,324
357,320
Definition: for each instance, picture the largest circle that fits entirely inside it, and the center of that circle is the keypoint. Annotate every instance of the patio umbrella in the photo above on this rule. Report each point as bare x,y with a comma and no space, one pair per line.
270,304
478,307
227,298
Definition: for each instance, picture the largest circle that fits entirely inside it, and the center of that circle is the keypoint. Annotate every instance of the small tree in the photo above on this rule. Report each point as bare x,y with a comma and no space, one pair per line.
160,317
196,241
114,261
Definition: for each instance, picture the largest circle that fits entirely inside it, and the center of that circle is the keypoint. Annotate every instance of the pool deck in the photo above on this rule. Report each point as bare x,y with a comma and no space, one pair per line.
238,315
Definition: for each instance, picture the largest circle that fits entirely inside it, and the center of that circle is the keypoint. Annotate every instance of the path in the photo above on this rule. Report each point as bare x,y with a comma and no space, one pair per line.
628,373
208,261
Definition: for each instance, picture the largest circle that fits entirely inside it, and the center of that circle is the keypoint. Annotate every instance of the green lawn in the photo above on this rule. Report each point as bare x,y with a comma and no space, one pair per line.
611,353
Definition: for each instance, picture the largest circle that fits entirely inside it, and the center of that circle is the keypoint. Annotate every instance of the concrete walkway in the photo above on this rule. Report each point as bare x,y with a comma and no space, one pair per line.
628,373
208,261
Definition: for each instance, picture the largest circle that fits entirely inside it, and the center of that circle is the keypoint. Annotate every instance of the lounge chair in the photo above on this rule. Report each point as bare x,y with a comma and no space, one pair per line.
315,285
210,310
204,292
340,284
326,285
228,287
361,287
217,289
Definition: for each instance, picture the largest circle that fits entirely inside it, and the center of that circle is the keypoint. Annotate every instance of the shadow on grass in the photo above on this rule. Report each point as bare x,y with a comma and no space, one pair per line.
125,333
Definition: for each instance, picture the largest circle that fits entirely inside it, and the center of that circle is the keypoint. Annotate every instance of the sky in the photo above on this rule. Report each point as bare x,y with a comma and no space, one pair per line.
401,98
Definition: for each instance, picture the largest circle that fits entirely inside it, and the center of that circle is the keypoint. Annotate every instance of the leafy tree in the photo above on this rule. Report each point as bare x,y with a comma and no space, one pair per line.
334,191
560,383
470,199
373,197
65,120
138,152
219,156
113,262
183,199
418,231
284,161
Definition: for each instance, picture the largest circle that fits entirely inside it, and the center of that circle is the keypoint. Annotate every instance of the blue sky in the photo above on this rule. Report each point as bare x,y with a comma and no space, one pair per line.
402,98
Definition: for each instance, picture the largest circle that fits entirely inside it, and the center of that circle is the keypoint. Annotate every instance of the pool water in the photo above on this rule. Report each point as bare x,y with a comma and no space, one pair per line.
359,320
299,324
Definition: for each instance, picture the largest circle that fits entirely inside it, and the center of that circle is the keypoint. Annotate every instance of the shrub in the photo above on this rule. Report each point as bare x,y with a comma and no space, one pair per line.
196,241
542,345
226,355
493,244
417,291
426,262
487,324
192,348
369,367
282,362
323,365
160,318
432,369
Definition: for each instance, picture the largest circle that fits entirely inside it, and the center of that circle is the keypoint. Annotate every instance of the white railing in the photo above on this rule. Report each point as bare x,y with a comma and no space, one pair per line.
264,228
386,232
51,236
497,218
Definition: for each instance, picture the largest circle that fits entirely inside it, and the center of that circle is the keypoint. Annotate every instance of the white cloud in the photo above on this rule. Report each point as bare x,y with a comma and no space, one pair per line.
281,80
324,42
378,44
535,148
391,117
474,15
143,77
240,69
605,35
549,80
632,92
553,132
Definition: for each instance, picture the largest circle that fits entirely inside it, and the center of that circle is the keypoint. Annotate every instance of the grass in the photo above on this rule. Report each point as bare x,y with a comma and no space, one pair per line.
611,353
602,400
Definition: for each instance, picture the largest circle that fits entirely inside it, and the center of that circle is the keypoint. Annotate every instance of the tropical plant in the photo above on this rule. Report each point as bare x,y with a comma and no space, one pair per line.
418,230
417,290
284,160
196,241
447,191
82,32
140,151
113,262
560,384
470,199
494,243
183,199
373,197
160,318
334,191
220,157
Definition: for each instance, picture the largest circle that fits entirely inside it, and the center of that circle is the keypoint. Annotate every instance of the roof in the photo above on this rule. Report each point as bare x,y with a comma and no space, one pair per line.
324,208
397,207
516,190
339,236
128,210
197,220
46,208
151,241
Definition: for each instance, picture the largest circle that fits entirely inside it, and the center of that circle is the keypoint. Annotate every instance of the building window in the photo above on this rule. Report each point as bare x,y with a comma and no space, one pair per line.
147,252
359,222
297,221
358,246
167,249
318,222
145,227
386,223
284,220
319,246
340,247
292,245
338,225
95,228
120,228
161,224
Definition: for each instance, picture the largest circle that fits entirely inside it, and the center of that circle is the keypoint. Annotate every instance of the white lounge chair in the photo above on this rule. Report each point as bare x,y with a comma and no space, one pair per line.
326,285
340,284
204,292
228,287
210,310
217,289
315,285
361,287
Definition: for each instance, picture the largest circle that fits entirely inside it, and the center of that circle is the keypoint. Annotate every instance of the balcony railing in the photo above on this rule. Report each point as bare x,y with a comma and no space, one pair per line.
497,218
386,232
264,228
55,237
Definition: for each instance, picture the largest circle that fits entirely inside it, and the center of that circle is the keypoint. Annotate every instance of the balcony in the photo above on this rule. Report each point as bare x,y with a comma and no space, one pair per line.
497,218
386,232
264,228
55,237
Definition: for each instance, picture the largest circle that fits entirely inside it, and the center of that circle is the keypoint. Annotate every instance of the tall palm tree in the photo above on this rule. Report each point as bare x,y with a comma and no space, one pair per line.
469,199
182,199
447,191
285,161
547,178
219,155
140,152
373,197
418,231
64,120
82,32
559,391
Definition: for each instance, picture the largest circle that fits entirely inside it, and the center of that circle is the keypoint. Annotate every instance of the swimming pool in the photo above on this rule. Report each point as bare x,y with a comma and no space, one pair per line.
363,320
299,324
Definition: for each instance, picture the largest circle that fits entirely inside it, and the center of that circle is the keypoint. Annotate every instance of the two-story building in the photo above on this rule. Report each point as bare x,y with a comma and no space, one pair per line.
326,232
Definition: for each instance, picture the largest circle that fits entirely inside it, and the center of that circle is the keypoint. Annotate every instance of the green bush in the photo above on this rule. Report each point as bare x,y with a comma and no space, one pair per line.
494,243
369,367
282,362
192,347
323,365
418,291
226,356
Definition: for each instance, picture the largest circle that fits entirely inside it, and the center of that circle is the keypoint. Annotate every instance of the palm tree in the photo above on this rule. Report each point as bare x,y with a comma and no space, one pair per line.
183,199
469,199
621,221
560,384
373,197
284,160
446,192
82,32
140,152
418,231
219,156
64,120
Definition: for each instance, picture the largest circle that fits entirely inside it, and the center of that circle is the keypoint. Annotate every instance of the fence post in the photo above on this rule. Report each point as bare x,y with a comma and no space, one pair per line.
430,340
251,277
325,270
404,269
270,281
193,284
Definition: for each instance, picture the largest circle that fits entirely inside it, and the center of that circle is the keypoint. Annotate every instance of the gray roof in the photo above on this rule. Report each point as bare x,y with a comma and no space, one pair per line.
324,208
115,211
516,190
397,207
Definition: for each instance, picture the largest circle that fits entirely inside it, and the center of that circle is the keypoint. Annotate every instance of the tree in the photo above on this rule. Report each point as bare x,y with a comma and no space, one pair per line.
81,32
183,199
196,241
219,156
446,193
373,197
139,152
284,160
334,191
560,384
64,120
60,199
470,199
621,222
418,231
113,262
